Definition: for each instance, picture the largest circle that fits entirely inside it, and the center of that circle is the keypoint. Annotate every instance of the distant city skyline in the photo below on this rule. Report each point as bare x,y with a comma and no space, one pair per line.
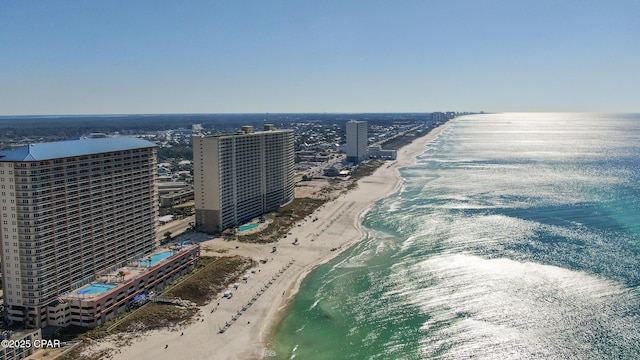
149,57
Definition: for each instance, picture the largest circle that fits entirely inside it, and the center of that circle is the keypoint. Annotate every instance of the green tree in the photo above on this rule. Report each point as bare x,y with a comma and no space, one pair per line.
167,237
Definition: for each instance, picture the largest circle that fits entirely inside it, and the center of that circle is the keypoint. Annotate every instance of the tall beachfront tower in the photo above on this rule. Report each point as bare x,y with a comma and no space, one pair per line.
240,176
356,141
69,210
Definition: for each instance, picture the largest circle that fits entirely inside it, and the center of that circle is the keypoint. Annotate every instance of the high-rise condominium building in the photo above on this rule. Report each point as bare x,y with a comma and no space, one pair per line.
241,176
356,141
69,210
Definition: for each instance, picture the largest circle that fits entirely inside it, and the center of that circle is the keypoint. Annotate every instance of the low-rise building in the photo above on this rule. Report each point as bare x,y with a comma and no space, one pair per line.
377,152
114,291
172,187
170,200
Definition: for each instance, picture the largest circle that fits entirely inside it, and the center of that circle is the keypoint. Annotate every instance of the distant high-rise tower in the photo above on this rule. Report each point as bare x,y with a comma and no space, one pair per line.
241,176
69,210
356,141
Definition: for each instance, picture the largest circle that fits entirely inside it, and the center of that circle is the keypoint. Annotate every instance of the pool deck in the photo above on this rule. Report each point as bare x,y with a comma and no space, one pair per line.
131,271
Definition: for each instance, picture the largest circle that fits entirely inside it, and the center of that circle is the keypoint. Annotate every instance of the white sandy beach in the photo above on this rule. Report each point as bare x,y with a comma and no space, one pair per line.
338,226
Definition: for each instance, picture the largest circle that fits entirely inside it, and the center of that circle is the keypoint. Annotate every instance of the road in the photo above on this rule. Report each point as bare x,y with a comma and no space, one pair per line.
176,227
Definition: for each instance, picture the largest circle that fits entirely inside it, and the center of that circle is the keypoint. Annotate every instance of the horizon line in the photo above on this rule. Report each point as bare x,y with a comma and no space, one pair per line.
243,113
307,113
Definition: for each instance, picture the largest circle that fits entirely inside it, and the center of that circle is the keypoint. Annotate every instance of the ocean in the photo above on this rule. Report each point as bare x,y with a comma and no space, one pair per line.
514,236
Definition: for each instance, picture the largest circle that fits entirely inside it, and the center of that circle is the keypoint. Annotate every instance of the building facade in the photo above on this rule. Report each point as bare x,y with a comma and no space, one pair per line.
357,141
241,176
70,210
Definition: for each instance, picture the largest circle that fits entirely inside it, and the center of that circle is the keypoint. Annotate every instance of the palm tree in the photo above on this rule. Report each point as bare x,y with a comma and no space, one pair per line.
121,274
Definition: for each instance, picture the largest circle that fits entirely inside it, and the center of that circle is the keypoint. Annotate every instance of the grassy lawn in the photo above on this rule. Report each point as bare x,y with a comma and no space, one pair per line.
283,220
214,275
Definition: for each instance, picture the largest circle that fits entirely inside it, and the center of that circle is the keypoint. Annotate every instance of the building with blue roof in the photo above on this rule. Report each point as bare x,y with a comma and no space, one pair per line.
71,148
70,210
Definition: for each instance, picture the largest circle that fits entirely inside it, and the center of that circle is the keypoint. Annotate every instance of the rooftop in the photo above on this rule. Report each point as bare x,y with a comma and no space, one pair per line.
248,131
69,148
115,279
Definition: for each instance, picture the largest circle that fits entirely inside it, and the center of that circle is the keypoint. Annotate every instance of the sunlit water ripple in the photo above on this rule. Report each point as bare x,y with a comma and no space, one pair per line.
514,236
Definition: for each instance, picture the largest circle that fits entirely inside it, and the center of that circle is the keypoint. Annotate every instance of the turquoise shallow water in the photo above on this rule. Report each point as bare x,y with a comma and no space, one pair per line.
514,236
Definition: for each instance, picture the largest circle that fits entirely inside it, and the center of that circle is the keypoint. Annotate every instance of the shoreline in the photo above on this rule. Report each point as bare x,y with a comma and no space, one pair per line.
339,227
418,147
294,288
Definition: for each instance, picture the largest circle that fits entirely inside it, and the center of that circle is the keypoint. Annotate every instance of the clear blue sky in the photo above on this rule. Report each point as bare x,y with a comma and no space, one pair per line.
115,57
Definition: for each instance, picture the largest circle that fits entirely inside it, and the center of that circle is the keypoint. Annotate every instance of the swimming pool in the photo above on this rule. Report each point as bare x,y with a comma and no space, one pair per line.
96,289
247,227
155,258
